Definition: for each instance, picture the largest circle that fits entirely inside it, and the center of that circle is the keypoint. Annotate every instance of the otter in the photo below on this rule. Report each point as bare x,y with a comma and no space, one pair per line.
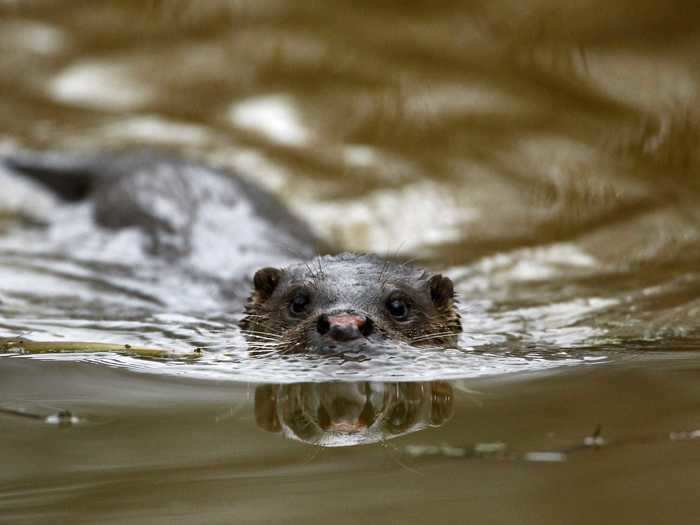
193,213
350,301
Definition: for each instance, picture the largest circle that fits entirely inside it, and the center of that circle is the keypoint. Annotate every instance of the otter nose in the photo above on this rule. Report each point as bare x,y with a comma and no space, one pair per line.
345,326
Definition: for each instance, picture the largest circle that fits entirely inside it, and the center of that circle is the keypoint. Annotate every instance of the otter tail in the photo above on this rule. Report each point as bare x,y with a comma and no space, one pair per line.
71,178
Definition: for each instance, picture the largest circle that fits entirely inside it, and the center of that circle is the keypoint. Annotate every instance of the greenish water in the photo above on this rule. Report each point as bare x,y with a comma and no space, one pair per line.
543,156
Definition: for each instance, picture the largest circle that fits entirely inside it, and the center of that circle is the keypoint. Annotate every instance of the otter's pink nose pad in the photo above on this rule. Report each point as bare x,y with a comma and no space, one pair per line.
344,327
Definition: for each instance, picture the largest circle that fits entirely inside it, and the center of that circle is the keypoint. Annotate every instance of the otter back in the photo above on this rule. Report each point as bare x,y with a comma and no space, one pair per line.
172,201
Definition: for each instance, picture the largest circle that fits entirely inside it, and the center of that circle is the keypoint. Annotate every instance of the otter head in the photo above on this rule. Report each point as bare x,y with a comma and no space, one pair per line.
348,301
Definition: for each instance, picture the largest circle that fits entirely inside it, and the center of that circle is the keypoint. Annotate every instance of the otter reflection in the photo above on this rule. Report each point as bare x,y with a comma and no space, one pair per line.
348,414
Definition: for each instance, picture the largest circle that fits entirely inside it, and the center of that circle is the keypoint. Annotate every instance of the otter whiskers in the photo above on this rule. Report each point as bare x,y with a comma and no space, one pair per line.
428,337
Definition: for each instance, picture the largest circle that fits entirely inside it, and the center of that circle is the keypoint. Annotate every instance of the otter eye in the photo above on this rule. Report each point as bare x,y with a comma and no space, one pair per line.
398,308
298,304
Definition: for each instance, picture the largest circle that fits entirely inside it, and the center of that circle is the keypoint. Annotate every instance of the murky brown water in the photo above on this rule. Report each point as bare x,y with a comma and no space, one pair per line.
545,156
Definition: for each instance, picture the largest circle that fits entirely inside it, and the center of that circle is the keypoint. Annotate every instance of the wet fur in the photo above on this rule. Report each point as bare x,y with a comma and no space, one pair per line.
433,324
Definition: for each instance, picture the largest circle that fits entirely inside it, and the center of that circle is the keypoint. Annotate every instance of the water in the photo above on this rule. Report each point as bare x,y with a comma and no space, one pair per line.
544,158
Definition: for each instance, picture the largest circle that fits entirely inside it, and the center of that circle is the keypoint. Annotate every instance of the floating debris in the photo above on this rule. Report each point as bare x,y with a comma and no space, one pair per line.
490,449
23,346
435,450
477,450
499,450
594,441
64,418
684,436
545,457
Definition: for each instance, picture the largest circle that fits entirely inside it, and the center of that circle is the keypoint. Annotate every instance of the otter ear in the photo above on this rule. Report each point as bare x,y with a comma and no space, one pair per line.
441,290
265,281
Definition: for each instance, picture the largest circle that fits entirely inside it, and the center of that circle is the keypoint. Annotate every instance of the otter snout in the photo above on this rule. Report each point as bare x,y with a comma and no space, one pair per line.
345,326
